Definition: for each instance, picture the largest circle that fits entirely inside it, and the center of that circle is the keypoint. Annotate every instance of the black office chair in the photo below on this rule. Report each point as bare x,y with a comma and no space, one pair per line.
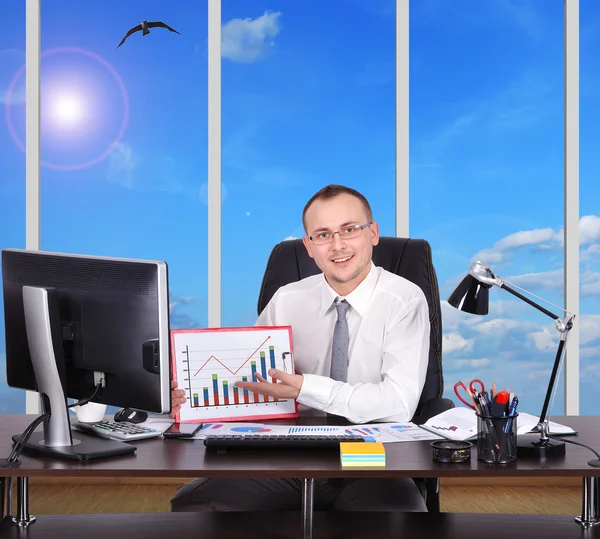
409,258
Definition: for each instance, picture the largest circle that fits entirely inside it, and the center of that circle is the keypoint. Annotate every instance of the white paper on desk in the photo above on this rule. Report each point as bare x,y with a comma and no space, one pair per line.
460,423
262,429
526,422
229,429
381,432
406,432
158,423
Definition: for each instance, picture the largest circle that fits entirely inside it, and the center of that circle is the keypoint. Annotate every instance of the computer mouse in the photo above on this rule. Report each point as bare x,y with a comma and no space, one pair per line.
131,415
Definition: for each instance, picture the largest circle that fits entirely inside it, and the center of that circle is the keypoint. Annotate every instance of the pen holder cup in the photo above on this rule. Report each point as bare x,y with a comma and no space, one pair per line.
497,439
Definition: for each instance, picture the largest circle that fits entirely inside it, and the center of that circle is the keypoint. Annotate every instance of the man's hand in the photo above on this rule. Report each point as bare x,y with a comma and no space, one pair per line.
287,387
177,399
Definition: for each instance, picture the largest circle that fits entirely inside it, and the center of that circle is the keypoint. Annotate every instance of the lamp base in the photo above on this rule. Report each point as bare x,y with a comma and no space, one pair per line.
531,446
5,463
595,463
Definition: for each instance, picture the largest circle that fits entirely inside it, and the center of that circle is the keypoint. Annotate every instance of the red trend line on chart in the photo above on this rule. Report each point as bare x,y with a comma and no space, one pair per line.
240,367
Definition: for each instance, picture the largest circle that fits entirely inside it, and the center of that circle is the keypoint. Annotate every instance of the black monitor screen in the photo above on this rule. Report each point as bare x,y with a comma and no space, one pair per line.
107,316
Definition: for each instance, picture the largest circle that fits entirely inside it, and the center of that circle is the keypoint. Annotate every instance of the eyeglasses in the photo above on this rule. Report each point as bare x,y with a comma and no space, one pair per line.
347,233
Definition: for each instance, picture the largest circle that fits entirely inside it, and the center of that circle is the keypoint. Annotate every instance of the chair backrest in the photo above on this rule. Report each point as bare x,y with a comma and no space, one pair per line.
407,257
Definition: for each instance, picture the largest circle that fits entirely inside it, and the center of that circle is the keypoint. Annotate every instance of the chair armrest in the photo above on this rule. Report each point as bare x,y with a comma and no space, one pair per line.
431,408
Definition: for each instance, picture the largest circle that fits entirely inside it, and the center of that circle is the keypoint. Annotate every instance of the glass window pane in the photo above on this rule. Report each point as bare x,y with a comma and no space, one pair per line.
124,139
12,171
486,156
307,101
589,208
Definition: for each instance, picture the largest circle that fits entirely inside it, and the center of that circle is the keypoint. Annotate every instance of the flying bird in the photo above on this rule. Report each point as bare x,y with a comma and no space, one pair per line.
145,28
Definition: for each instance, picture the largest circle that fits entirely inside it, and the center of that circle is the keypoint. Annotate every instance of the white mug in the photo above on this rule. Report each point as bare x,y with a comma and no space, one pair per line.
91,412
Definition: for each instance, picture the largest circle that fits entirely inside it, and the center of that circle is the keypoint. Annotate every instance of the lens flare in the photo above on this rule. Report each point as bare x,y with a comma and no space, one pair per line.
68,109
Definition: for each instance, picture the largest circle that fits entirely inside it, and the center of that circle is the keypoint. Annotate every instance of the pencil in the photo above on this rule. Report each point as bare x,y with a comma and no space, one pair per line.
475,405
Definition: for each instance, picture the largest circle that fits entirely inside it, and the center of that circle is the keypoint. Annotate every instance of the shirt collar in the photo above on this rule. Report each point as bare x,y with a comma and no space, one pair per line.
358,298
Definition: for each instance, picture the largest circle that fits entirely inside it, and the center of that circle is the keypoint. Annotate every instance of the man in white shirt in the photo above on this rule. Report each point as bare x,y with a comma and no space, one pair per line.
361,348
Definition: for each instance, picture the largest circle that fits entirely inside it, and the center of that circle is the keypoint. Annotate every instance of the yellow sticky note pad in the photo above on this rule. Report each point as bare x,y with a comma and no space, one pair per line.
361,448
361,454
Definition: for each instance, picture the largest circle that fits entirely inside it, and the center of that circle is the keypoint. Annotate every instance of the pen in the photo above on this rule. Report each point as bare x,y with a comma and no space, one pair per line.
511,414
479,402
489,425
486,401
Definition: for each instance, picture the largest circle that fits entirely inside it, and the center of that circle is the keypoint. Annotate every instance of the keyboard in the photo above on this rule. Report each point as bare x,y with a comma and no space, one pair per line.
117,430
279,441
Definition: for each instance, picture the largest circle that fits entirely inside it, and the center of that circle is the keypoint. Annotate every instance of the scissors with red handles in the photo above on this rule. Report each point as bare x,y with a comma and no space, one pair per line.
472,388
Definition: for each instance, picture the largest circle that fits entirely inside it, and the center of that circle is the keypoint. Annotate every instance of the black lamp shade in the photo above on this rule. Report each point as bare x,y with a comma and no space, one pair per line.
471,296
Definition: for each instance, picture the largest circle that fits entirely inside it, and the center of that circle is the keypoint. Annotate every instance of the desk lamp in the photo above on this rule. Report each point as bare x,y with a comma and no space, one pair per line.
472,296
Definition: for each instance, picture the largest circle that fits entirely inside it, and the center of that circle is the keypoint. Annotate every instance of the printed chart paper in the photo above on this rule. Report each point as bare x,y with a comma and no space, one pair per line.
207,363
377,432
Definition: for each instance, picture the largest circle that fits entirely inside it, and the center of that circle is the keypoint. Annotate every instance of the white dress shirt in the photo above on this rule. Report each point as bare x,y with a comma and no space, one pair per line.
388,323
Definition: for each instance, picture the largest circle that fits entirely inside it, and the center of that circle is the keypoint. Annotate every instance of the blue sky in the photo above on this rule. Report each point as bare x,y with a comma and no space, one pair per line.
309,99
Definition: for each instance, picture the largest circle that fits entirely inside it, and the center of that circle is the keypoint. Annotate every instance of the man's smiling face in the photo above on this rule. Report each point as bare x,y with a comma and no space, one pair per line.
344,262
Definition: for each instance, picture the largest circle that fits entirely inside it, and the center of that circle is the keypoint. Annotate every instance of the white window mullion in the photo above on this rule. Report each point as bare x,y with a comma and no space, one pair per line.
32,145
402,118
571,194
214,163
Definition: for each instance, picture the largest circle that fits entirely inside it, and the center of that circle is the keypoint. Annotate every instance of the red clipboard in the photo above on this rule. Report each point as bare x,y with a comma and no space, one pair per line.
207,361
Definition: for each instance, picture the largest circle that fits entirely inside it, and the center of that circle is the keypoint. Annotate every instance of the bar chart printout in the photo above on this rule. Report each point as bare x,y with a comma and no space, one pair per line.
208,362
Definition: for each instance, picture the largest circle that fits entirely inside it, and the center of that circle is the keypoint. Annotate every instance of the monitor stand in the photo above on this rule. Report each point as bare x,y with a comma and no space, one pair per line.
83,447
45,344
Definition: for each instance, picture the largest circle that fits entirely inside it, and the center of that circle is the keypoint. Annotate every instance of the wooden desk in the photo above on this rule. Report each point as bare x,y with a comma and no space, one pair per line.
189,459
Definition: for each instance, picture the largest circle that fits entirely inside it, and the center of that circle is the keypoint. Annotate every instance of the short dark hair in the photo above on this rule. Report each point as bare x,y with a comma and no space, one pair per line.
333,190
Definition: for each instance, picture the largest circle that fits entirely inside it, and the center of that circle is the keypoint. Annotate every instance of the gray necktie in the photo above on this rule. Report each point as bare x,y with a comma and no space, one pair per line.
339,348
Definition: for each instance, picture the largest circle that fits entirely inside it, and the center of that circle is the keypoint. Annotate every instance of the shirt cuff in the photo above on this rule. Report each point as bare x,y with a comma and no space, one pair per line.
315,391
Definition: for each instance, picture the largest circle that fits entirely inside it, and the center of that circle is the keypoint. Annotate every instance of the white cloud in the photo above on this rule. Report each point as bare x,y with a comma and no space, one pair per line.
527,365
551,280
590,371
591,253
590,289
511,242
454,341
592,351
542,238
499,325
121,164
489,256
589,328
526,237
589,284
544,340
539,373
452,318
180,301
289,238
469,363
589,229
246,40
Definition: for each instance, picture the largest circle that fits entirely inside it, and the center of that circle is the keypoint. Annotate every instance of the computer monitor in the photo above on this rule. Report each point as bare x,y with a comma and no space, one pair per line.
77,324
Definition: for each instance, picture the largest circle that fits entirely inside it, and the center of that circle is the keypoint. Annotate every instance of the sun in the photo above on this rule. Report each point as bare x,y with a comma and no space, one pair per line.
68,110
84,109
